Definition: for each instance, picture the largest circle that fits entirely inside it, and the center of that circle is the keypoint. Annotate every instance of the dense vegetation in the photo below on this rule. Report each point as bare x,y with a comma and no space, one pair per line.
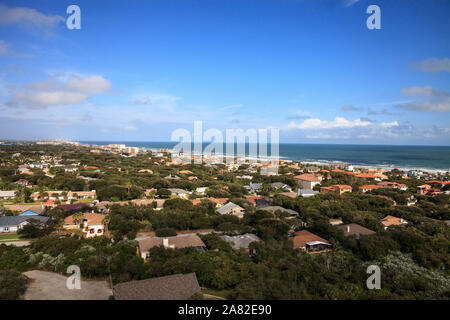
414,260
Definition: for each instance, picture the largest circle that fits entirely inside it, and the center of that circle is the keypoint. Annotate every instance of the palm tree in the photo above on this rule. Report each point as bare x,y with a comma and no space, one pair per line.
78,218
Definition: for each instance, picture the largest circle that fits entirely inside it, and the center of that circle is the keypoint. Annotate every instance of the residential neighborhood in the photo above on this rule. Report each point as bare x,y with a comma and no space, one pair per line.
150,231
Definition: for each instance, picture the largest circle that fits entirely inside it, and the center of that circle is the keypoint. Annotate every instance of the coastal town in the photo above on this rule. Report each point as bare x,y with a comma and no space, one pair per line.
146,224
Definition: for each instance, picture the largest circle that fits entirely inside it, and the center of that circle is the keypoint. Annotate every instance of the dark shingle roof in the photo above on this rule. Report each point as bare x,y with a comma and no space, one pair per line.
16,220
242,241
354,229
276,208
174,287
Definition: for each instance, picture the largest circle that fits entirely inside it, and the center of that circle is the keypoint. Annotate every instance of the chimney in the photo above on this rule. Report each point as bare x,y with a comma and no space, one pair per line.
348,229
166,243
401,219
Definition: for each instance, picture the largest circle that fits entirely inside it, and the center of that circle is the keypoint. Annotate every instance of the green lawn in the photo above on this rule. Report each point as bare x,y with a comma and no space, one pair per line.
9,237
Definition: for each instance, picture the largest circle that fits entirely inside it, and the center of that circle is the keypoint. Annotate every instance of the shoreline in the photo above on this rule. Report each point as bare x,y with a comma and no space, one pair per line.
321,162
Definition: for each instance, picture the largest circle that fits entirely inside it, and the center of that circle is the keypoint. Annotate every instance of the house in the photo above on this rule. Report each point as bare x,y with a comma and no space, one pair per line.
52,195
442,183
15,223
201,190
393,221
242,241
269,170
261,203
310,242
39,209
77,195
369,187
90,167
274,209
393,185
354,229
172,177
280,185
231,208
92,224
6,195
179,192
290,194
368,176
186,172
312,169
39,165
22,183
173,287
423,189
336,222
177,242
252,199
70,168
308,180
218,201
253,187
306,193
247,177
86,179
337,188
145,171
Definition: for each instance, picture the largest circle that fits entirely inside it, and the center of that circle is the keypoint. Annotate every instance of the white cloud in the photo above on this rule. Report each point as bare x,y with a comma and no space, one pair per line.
418,91
4,48
28,17
60,90
339,122
300,114
158,100
389,124
348,107
44,98
435,100
433,65
129,128
91,85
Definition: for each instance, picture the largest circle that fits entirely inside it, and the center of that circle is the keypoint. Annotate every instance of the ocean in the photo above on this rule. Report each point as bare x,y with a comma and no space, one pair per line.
385,156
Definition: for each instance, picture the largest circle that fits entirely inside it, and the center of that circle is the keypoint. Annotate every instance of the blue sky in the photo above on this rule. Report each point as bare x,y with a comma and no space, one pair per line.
138,70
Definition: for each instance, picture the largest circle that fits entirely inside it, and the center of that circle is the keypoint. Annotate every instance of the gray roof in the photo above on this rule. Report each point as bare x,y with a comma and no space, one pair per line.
253,187
9,221
276,208
354,229
278,185
307,192
177,191
242,241
227,208
174,287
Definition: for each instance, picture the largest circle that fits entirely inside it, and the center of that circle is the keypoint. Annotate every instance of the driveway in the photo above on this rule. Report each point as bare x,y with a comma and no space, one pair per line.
52,286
